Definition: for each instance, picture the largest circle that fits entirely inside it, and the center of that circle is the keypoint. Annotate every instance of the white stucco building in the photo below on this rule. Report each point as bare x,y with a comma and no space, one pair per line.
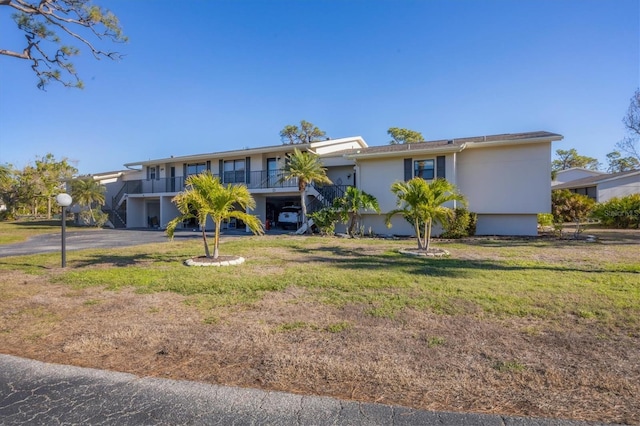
506,179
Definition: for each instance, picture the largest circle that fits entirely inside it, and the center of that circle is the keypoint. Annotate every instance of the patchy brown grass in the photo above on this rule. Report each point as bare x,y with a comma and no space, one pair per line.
289,341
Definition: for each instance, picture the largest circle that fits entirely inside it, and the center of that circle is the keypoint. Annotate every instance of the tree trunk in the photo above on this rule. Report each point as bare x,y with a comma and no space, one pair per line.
48,208
204,240
427,235
418,236
216,239
303,204
352,224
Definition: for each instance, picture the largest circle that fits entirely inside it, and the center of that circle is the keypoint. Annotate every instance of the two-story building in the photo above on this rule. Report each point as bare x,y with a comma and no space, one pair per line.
505,178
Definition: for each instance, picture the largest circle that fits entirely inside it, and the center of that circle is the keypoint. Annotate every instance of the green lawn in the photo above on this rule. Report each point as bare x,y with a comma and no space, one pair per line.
545,279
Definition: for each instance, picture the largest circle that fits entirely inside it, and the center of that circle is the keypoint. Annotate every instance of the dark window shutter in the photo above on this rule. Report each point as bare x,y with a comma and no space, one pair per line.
247,170
157,172
440,167
408,169
220,169
148,172
209,165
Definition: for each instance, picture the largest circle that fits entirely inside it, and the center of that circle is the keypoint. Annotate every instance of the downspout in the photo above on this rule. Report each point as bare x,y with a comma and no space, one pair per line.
455,175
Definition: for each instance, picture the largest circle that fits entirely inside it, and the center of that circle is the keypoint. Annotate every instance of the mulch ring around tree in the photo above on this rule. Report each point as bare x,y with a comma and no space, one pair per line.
210,261
433,252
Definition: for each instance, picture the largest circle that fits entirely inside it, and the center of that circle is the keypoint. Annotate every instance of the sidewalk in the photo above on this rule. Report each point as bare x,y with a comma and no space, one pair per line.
37,393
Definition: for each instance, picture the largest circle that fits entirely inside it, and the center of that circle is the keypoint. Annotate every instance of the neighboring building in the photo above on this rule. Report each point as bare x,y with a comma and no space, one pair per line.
603,187
574,173
506,179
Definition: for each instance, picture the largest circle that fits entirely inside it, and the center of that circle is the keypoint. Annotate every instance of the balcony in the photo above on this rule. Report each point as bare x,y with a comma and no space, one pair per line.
263,179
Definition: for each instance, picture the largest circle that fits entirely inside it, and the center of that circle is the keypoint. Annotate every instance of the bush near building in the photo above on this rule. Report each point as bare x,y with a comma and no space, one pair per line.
619,212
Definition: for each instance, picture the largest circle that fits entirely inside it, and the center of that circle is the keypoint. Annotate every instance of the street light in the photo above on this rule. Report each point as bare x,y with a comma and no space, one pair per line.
64,201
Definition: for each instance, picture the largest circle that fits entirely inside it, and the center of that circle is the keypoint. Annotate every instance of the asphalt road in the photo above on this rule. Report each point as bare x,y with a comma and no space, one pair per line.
99,238
37,393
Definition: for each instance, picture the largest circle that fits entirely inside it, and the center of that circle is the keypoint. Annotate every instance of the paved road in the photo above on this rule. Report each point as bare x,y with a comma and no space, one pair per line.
36,393
99,238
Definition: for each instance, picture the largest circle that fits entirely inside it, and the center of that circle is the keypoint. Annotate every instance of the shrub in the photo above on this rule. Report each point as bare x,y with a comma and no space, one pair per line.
619,212
545,219
325,219
462,223
567,206
97,219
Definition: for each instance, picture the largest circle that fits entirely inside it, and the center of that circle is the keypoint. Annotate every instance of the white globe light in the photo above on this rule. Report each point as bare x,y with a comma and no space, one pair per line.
64,200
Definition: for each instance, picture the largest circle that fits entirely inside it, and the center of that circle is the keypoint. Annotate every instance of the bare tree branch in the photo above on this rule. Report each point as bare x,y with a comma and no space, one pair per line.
43,20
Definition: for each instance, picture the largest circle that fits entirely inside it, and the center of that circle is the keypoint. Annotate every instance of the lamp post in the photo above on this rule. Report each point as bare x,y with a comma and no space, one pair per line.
64,201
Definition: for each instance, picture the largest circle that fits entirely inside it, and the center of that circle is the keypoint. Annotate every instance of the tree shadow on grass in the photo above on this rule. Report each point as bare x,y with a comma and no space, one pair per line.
440,267
119,260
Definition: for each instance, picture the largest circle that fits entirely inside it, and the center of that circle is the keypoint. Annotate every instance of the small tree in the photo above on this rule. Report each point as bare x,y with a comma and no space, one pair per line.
306,133
400,136
204,196
618,163
568,159
307,168
86,192
351,204
567,206
421,204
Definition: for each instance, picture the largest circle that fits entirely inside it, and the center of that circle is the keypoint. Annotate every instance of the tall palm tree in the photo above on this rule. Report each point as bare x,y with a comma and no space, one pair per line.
352,203
204,196
87,191
307,168
422,203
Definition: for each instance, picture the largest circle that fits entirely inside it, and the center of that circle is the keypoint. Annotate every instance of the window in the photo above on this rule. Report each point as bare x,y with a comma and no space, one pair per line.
423,169
196,168
234,171
151,173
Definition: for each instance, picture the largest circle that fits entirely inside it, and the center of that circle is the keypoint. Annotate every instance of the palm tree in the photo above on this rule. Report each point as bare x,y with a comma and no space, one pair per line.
305,167
421,204
351,203
87,191
205,196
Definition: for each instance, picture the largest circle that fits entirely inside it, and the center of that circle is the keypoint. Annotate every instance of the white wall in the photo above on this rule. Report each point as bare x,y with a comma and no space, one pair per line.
621,187
376,177
511,179
496,224
341,175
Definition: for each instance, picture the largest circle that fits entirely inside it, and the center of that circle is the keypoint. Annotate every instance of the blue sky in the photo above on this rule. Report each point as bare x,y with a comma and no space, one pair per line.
205,76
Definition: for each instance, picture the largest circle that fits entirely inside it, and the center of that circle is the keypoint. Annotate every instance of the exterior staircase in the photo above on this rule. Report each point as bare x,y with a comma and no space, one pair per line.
323,196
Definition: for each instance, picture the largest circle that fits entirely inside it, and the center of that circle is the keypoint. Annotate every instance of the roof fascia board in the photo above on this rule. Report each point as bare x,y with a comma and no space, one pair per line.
541,139
609,179
394,154
329,142
236,153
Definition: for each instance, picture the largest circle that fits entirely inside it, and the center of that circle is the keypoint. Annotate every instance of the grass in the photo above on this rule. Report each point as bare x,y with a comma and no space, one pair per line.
350,318
509,284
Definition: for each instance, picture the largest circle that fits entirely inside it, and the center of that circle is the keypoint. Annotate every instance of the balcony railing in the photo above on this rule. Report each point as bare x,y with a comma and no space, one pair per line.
263,179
